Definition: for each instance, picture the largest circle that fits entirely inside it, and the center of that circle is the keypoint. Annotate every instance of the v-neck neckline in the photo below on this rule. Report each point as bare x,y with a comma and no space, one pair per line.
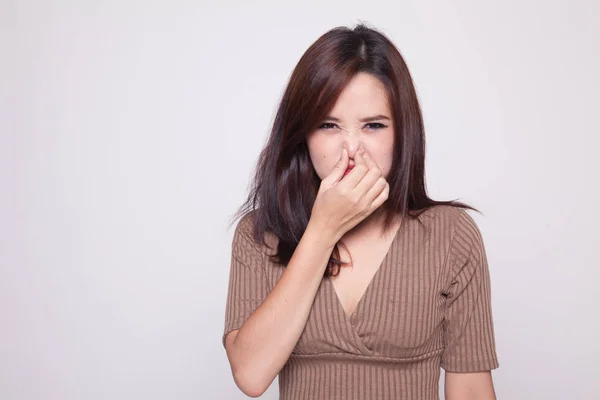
371,283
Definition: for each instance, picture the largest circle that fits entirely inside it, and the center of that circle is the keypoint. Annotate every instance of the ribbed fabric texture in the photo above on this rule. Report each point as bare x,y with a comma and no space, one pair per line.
428,306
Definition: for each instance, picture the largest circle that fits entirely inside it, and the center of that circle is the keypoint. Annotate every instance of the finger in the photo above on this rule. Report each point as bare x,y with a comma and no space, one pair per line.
375,190
337,173
369,160
359,170
383,196
373,174
359,156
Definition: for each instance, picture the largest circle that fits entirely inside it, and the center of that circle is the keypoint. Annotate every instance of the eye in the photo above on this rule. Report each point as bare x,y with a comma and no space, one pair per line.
376,125
327,126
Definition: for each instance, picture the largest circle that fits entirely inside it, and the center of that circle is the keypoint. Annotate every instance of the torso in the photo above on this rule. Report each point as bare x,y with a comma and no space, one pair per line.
384,339
367,252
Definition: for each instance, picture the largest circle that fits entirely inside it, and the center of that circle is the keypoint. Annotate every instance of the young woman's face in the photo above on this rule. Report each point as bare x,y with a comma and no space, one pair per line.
361,117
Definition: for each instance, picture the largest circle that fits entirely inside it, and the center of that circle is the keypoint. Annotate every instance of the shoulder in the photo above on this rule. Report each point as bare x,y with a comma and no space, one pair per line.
443,211
247,237
244,241
453,223
462,242
466,239
246,224
445,217
451,214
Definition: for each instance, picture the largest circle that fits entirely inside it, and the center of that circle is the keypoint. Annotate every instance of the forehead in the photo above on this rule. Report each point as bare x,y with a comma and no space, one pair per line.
364,94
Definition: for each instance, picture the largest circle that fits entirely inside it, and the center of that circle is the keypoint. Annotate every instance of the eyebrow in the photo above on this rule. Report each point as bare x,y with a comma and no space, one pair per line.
366,119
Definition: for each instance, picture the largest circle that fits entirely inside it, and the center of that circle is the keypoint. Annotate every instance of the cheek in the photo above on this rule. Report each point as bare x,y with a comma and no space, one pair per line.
321,156
323,163
387,155
383,158
386,163
324,152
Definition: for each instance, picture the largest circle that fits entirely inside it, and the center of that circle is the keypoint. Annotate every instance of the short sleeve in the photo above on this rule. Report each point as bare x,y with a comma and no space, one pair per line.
468,325
247,279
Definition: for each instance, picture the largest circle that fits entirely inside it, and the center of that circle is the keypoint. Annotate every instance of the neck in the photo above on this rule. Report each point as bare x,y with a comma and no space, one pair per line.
370,225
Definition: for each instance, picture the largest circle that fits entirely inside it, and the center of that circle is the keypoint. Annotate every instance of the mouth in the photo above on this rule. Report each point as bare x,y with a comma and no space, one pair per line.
348,170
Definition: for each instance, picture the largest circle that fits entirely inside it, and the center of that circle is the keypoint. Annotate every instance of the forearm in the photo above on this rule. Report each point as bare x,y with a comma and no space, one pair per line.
265,341
469,386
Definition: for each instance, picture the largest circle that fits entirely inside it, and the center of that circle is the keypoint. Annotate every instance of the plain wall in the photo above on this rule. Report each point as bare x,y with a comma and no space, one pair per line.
129,131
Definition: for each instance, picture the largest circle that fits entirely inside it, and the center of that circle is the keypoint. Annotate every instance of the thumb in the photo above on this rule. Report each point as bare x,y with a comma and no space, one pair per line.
340,167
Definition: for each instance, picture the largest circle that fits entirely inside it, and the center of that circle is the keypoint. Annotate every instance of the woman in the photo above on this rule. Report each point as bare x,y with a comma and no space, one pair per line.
346,279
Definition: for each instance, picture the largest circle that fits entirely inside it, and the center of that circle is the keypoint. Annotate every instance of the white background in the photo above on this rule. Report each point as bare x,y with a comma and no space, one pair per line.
129,131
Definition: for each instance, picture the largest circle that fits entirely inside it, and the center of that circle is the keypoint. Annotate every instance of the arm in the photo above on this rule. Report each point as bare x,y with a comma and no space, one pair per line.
470,351
263,344
469,386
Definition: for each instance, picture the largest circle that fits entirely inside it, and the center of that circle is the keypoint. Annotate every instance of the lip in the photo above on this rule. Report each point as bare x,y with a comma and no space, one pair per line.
348,170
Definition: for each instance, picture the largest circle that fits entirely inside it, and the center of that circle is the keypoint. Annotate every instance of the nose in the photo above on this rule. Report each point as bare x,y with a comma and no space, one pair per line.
352,144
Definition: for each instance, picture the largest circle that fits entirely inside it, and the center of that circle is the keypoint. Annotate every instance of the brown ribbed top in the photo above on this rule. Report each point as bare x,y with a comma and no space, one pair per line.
428,306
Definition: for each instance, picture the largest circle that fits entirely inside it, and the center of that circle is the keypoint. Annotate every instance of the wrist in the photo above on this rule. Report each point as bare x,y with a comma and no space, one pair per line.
320,235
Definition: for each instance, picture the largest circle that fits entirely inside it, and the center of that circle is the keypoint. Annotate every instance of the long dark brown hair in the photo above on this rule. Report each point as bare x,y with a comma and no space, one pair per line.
285,182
